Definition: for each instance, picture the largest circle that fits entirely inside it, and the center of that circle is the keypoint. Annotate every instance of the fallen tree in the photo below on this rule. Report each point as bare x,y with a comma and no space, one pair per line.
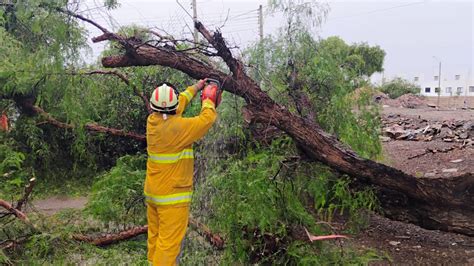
444,204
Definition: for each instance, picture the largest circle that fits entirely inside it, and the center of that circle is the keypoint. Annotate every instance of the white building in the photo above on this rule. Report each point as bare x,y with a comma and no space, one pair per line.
454,85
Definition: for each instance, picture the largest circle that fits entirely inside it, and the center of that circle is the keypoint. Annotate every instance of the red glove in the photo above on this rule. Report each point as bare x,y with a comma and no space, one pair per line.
212,93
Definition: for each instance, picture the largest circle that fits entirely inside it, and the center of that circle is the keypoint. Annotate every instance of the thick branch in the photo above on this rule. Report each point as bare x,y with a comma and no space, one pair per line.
112,238
72,14
115,132
18,214
214,239
89,126
204,231
14,211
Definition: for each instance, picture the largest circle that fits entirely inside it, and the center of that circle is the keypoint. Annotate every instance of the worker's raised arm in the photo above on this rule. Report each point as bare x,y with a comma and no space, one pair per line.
196,127
186,96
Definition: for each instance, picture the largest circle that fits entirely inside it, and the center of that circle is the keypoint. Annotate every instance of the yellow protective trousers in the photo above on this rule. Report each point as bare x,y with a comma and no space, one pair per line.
166,229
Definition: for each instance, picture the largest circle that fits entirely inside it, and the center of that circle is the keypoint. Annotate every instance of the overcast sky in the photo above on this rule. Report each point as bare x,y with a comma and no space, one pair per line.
415,34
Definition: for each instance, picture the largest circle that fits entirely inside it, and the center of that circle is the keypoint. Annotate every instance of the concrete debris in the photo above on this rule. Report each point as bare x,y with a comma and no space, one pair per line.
450,170
417,129
394,243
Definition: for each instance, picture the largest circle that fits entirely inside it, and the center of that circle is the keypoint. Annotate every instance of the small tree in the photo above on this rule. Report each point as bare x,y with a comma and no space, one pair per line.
398,87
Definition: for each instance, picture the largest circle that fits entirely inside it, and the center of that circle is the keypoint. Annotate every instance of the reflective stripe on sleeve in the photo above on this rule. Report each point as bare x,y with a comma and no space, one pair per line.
208,105
188,95
171,157
169,199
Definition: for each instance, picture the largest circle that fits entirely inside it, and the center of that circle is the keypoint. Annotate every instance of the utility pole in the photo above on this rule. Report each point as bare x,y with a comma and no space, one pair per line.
260,22
439,80
196,38
439,83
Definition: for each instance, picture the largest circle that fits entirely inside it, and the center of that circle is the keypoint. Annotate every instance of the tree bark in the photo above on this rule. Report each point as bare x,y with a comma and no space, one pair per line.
445,204
20,215
112,238
214,239
92,127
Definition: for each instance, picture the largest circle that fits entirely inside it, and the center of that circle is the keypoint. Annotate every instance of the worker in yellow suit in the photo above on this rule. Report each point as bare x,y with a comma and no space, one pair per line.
170,165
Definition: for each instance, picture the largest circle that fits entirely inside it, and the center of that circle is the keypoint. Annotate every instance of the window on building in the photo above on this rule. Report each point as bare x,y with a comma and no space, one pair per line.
449,90
471,88
416,79
436,78
457,77
437,89
459,90
427,90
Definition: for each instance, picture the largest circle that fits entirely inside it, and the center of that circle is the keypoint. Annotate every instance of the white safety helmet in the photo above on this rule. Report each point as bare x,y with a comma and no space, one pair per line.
164,99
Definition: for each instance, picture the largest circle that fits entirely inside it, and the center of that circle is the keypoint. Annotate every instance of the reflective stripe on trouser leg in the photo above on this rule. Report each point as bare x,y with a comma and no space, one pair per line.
168,158
172,229
171,199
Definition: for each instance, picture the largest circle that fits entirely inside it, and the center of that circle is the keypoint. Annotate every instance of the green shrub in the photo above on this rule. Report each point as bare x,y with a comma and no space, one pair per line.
117,196
398,87
12,174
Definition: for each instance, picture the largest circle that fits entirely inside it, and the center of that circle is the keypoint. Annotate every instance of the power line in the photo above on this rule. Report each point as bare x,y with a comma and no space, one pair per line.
377,11
245,13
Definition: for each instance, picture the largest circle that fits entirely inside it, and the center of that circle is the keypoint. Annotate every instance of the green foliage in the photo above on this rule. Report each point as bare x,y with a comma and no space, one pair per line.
117,196
328,71
262,198
37,63
53,243
12,173
359,129
398,87
4,258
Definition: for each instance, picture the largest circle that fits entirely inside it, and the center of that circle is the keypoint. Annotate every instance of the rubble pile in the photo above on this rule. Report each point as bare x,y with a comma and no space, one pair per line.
417,129
407,100
411,101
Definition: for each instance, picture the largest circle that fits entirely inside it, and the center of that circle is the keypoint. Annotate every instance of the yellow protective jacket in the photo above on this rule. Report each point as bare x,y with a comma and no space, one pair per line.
170,165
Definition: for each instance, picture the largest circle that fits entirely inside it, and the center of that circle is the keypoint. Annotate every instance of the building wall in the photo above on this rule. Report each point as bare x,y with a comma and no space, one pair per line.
450,86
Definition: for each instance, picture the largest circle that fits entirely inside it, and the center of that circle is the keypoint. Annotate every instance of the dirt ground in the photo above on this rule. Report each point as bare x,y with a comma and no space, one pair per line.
53,205
451,102
430,113
408,244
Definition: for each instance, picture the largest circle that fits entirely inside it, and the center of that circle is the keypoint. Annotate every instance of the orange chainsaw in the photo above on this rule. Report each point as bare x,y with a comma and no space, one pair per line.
216,85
